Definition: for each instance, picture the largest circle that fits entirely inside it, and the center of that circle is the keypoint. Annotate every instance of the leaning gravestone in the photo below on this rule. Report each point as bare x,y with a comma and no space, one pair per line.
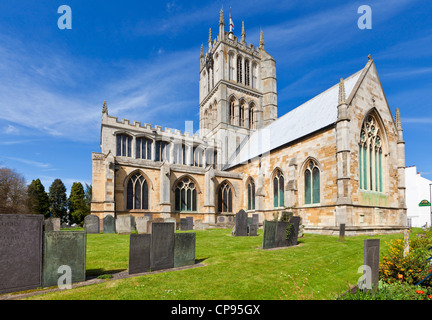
109,224
91,223
162,246
139,253
20,252
241,223
124,224
184,249
63,253
269,234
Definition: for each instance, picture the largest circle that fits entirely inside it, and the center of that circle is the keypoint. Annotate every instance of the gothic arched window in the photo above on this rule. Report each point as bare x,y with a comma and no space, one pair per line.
185,195
252,120
137,192
231,110
143,148
239,69
370,156
162,151
251,195
312,183
247,72
225,198
278,189
124,144
242,114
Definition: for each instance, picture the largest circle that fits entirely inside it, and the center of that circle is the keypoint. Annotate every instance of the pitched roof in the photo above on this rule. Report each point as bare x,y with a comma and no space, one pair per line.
309,117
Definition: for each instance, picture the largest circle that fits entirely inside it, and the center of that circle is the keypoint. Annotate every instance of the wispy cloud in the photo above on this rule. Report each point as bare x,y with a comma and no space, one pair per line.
29,162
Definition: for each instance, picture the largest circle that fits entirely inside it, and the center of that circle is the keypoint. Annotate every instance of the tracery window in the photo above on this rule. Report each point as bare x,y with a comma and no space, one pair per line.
278,189
251,195
124,144
143,148
312,183
185,195
137,192
239,69
247,73
162,151
370,156
225,198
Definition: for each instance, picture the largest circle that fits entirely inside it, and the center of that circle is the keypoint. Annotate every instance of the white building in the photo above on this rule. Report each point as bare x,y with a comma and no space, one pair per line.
417,190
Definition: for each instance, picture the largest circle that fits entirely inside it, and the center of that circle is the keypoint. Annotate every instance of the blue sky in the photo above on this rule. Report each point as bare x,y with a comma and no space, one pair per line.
143,58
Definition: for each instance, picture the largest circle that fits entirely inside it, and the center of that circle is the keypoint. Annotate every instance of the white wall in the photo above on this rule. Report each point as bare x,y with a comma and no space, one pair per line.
417,189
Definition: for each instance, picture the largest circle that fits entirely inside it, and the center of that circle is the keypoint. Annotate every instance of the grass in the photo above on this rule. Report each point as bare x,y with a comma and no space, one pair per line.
320,267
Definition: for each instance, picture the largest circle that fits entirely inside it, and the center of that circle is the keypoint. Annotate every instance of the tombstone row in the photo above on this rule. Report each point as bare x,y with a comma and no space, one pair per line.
280,233
244,225
125,224
163,248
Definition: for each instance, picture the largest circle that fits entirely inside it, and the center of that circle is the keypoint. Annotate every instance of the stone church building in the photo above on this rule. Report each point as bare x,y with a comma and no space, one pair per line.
337,158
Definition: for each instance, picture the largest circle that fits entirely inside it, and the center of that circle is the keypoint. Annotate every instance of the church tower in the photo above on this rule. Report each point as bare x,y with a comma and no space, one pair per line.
237,89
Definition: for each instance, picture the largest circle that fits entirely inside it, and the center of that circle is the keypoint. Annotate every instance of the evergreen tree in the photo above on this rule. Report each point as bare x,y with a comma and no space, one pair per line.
38,200
77,203
58,200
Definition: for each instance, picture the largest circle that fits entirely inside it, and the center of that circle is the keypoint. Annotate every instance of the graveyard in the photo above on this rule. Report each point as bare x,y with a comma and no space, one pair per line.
225,266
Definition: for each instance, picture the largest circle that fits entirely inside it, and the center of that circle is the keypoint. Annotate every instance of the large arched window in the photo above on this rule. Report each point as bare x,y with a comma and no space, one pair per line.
185,195
225,198
251,195
278,189
312,183
137,193
124,144
143,148
162,151
179,153
370,156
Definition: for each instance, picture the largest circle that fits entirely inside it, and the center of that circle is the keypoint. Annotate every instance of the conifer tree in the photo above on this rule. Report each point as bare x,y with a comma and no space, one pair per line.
77,204
58,200
38,200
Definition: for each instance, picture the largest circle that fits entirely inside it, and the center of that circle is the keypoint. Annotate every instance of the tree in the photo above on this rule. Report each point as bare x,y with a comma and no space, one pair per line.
58,200
13,192
77,203
37,198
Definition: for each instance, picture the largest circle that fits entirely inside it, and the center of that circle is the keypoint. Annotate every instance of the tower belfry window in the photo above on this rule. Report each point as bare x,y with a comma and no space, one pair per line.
239,70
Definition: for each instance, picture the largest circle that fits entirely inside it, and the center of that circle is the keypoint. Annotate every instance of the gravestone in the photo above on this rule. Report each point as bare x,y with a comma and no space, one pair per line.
255,219
20,251
184,249
63,249
123,224
52,224
139,253
269,234
281,233
109,224
174,220
241,223
189,223
91,223
183,224
253,230
141,224
342,232
294,231
162,246
371,259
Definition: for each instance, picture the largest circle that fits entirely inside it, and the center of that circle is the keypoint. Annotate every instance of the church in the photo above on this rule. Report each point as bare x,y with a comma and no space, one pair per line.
338,158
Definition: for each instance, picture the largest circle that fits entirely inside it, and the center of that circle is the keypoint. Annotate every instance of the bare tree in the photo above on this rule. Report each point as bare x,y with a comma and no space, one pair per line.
13,192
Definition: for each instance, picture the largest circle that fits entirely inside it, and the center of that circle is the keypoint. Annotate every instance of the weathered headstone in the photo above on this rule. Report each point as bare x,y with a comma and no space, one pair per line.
141,224
253,230
123,224
184,249
64,255
241,222
189,223
342,232
281,233
294,231
255,219
174,220
20,252
139,253
183,224
52,224
91,223
371,259
269,234
162,246
109,224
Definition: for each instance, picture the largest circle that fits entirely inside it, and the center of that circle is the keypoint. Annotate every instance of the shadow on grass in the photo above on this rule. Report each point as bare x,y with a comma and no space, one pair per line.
94,273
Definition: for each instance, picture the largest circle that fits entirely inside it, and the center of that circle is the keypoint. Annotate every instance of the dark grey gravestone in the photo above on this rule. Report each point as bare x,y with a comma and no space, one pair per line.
20,251
189,223
294,231
249,221
183,224
342,232
162,246
253,230
109,224
184,249
241,224
139,253
269,234
255,219
63,249
371,259
91,223
281,234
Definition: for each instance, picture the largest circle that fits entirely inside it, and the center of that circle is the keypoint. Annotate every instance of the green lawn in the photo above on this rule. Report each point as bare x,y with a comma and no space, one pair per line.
235,268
